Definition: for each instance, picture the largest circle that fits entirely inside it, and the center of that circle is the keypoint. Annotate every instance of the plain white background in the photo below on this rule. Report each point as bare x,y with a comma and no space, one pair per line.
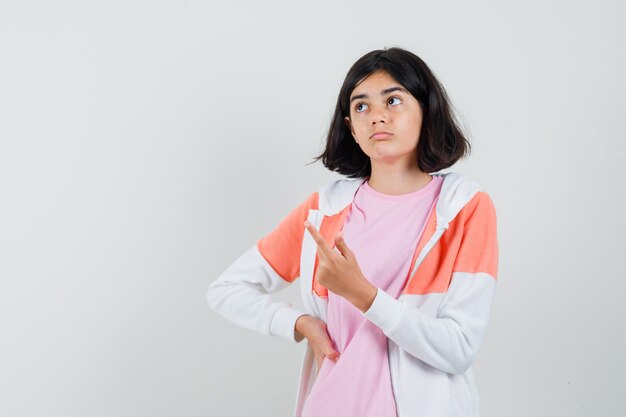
146,144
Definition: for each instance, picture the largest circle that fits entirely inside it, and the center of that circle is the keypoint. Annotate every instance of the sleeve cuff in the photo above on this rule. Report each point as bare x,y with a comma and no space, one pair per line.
384,311
284,323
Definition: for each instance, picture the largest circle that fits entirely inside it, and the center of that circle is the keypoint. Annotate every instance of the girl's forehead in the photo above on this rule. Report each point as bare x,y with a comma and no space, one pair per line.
375,85
376,80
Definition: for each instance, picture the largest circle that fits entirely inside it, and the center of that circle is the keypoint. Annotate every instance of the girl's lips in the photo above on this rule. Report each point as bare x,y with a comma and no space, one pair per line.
381,135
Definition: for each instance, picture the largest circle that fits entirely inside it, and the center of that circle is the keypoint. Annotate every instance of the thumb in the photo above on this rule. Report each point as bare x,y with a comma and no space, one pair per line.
333,355
330,352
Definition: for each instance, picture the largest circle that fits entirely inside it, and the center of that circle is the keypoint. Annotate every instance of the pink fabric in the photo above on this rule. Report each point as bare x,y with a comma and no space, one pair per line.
383,231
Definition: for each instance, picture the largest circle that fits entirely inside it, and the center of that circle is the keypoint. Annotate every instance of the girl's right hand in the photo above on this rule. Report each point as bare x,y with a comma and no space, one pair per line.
315,331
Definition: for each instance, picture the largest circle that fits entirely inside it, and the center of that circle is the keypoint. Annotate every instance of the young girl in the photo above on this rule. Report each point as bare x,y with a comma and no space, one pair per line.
397,264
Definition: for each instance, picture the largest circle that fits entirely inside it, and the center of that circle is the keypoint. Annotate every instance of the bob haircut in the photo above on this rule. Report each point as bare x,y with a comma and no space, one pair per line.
441,142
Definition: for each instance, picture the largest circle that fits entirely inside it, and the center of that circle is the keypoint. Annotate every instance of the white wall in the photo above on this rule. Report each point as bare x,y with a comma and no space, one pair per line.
135,136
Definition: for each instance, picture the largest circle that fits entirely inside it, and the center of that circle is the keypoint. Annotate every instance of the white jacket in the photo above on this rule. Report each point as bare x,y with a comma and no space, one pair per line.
434,329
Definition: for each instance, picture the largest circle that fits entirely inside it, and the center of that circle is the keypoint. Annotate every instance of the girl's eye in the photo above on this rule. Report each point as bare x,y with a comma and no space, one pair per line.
358,106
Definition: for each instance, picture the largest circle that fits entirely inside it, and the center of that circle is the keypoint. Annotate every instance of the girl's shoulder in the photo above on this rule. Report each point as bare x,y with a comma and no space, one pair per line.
337,194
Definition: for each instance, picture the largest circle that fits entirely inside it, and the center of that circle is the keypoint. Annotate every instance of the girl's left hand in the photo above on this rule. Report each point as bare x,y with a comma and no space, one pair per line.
338,271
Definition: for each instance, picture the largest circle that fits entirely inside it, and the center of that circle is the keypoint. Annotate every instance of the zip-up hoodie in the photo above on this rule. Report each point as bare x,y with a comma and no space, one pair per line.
436,326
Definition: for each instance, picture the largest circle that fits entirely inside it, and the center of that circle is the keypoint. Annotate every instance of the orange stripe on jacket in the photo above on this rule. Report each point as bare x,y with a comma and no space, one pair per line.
283,245
468,245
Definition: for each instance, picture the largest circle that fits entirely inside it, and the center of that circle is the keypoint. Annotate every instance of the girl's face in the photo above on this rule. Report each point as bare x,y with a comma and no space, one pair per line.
381,104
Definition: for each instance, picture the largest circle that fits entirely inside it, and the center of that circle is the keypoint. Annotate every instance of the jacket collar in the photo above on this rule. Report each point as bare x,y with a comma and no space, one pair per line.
456,191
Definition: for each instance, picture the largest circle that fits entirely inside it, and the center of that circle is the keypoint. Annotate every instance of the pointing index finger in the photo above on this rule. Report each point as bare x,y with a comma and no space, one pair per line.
322,245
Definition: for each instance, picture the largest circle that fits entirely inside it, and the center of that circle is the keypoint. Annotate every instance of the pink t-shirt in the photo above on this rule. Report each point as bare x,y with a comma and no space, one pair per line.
383,231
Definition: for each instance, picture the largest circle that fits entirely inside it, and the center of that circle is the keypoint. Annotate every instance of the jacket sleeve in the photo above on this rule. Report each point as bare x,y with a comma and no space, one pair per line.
242,293
450,341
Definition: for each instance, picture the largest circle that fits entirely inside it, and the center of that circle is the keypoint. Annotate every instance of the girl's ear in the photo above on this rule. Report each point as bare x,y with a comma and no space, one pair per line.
346,120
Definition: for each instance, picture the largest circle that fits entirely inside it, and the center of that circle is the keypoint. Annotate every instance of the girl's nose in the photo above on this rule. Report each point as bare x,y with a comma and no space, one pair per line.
379,115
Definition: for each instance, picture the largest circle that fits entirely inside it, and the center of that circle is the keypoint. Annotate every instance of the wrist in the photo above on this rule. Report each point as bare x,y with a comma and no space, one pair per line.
301,323
365,297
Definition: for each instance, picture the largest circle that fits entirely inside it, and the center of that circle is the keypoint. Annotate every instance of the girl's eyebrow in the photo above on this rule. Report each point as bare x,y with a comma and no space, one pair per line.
382,93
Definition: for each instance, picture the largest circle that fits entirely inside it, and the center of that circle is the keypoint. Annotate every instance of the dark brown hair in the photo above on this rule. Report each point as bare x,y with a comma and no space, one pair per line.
441,142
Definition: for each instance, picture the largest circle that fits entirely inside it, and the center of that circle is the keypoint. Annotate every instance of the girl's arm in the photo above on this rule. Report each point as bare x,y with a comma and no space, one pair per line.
451,340
242,293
